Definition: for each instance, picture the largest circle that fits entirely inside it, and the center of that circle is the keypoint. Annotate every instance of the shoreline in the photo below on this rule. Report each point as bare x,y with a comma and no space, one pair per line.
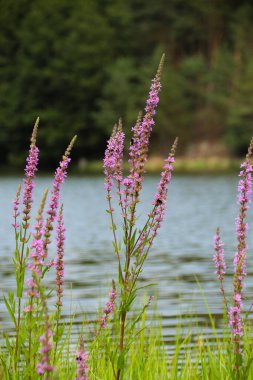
183,165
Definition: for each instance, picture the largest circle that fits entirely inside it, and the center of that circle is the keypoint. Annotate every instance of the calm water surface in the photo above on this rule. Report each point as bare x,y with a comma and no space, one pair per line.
183,249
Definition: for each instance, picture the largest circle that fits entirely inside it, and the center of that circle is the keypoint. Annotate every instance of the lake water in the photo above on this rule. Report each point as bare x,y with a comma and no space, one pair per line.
182,251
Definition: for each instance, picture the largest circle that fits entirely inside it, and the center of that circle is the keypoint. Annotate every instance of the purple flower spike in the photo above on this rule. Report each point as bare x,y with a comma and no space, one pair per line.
218,257
235,321
159,201
114,157
44,366
220,264
16,212
138,150
59,263
36,255
110,306
244,192
60,175
81,361
30,170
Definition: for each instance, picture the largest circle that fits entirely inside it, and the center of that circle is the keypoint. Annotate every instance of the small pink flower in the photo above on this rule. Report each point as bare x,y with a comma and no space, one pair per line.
28,308
238,299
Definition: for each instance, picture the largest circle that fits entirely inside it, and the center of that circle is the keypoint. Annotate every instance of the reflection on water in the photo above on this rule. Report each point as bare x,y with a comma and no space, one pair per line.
182,252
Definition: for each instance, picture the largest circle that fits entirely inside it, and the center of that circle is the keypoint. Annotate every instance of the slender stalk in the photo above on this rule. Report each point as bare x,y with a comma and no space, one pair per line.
122,334
124,212
59,264
114,232
20,296
58,316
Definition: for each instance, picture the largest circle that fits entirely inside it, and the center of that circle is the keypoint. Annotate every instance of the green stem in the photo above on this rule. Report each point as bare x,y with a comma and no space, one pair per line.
58,316
122,334
20,267
114,233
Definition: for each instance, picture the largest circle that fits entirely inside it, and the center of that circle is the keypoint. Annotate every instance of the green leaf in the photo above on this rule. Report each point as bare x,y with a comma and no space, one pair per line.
11,309
132,240
145,286
121,280
27,252
115,247
130,300
121,361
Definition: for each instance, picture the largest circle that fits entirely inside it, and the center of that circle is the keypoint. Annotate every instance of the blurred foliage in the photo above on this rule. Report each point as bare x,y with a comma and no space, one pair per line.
81,64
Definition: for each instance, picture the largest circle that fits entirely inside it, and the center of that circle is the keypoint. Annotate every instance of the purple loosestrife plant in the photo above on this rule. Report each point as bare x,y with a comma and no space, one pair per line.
39,249
21,227
234,310
136,241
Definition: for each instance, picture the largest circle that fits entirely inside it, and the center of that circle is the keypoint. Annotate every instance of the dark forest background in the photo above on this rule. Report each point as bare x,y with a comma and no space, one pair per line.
81,64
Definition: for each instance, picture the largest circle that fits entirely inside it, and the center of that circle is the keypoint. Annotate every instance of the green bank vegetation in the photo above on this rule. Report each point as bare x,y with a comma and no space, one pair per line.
82,64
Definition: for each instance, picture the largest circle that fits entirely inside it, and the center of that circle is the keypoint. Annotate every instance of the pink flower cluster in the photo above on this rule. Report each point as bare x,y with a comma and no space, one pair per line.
59,262
218,257
114,157
244,192
59,178
60,175
109,309
32,161
245,185
36,254
44,365
160,197
138,150
30,169
81,360
235,322
16,203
